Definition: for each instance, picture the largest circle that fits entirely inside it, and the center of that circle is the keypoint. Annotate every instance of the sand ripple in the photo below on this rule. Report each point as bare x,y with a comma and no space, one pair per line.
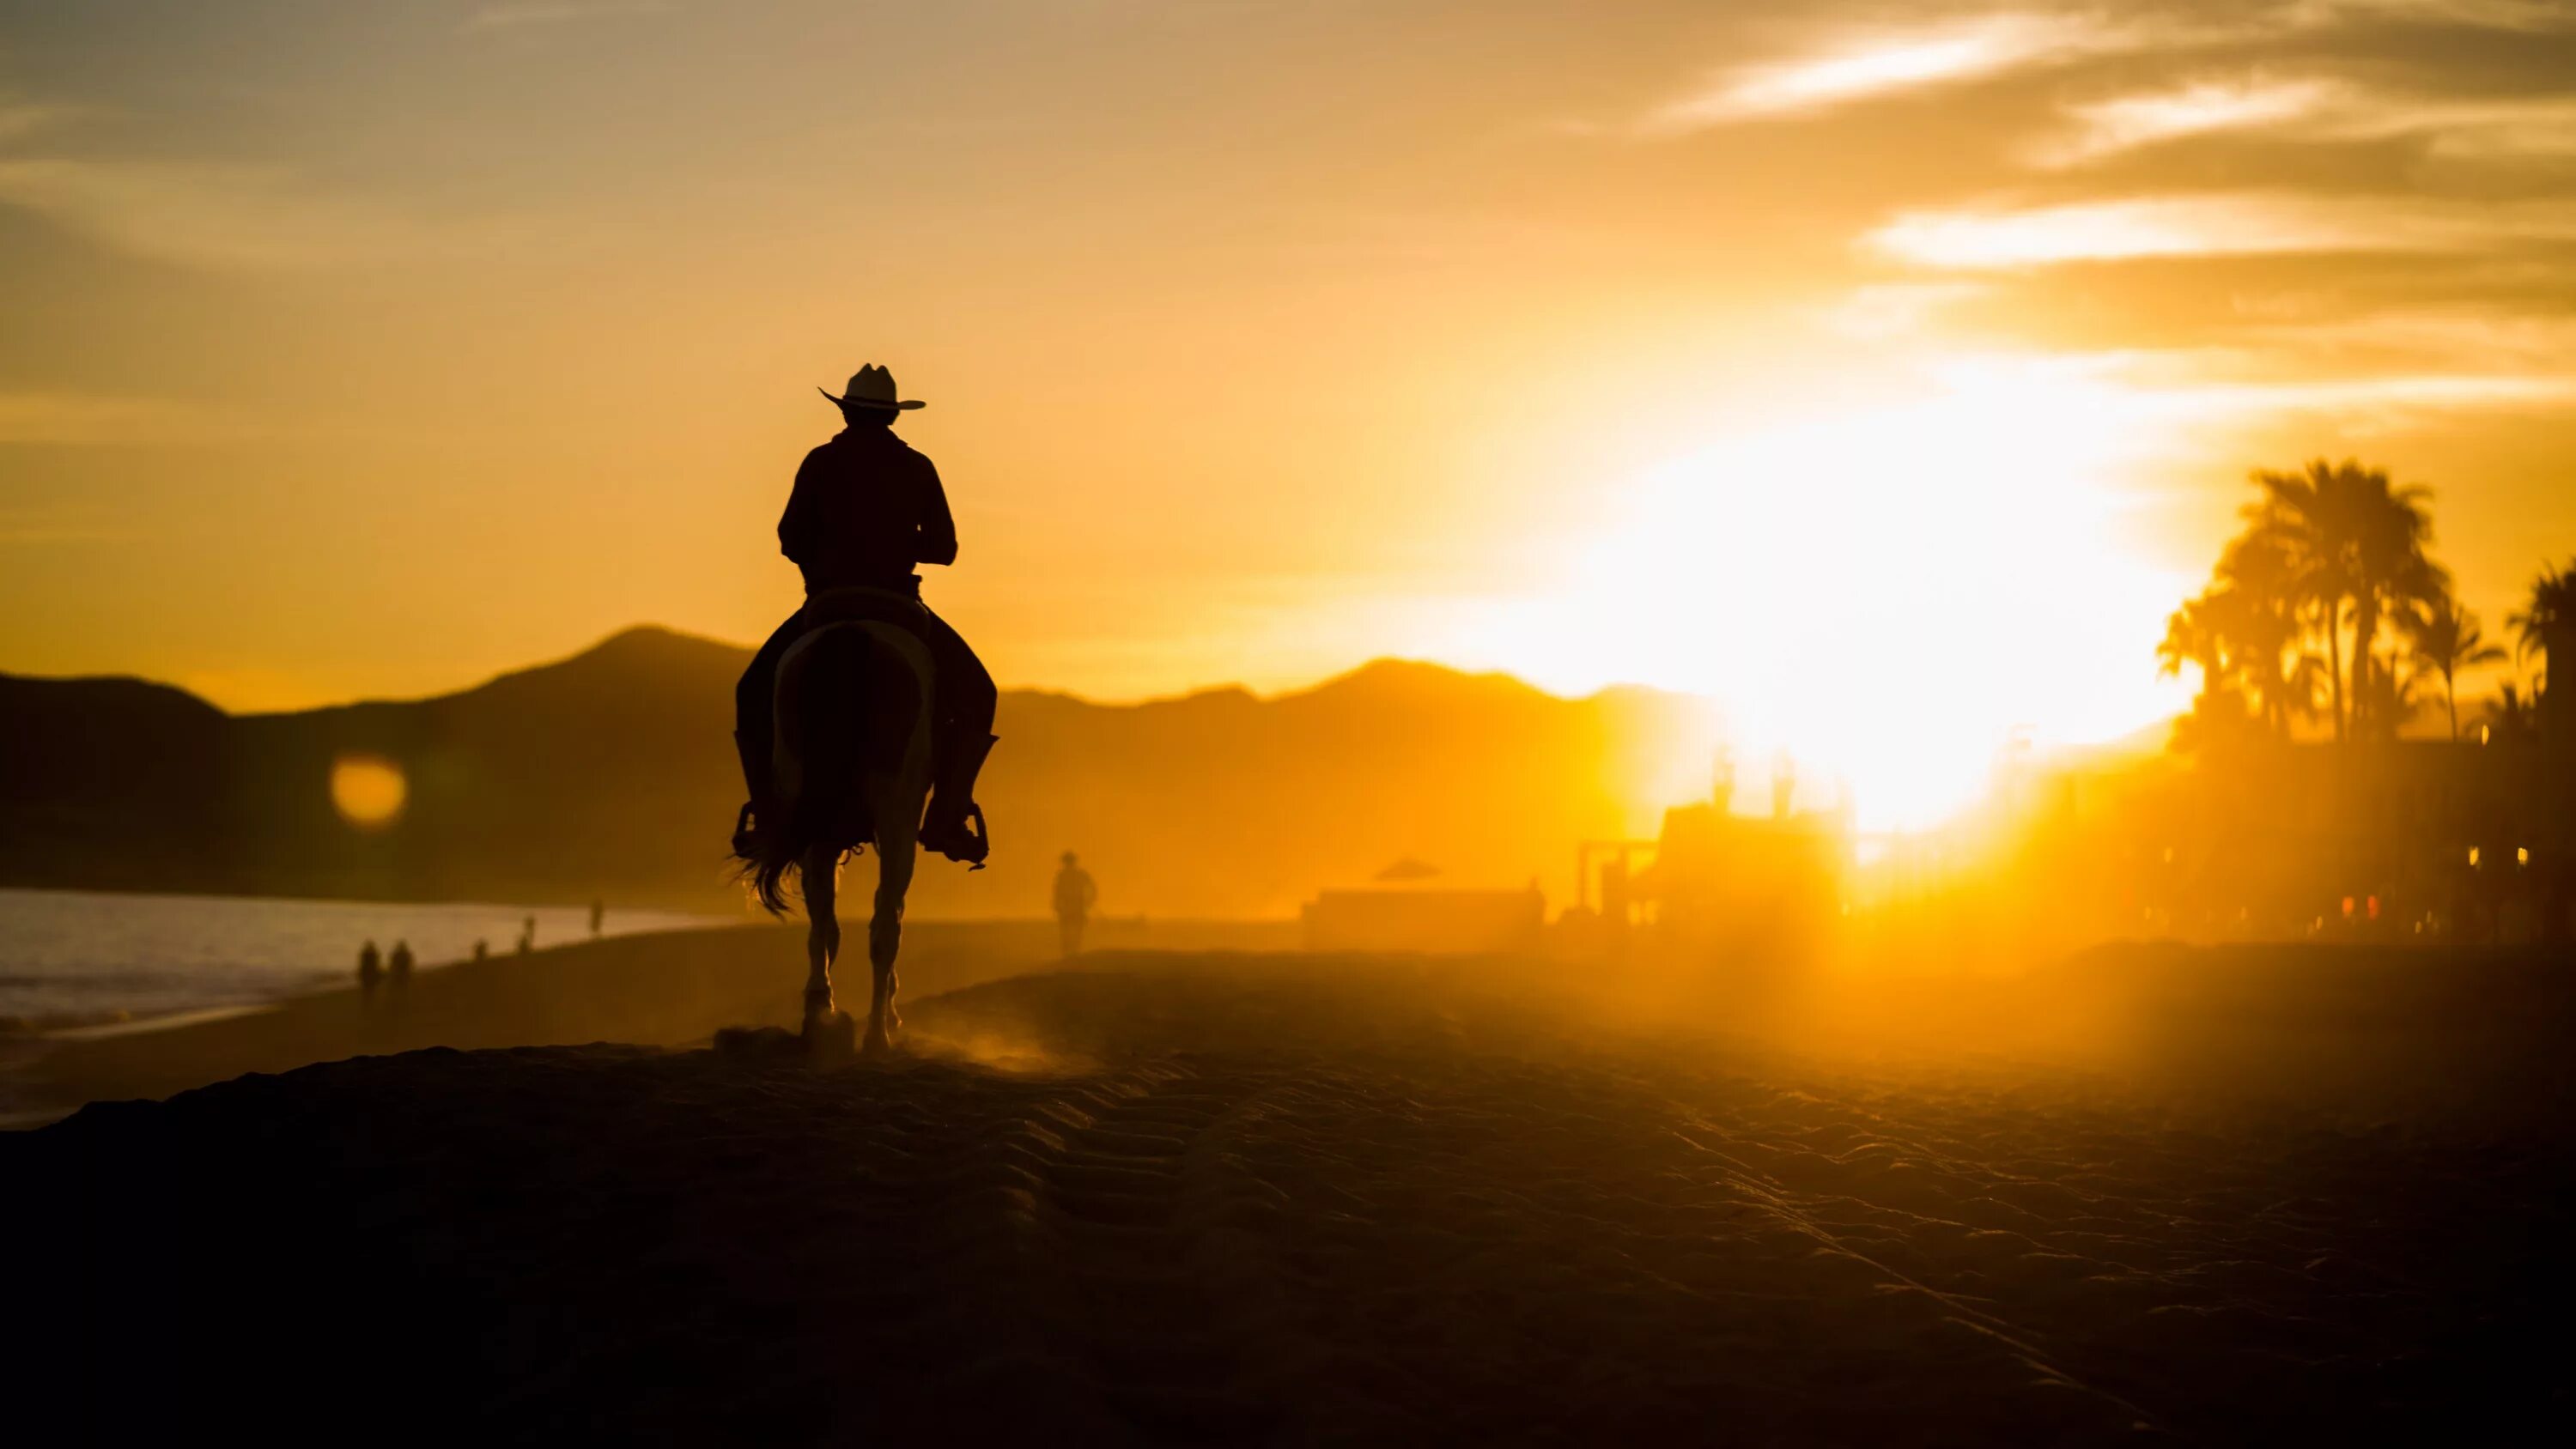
1240,1203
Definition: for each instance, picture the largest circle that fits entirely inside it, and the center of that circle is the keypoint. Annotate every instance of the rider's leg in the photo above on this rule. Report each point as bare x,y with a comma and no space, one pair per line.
963,703
755,712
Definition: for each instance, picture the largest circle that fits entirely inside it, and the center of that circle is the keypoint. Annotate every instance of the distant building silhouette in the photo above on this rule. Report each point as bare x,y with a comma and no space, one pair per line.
1075,894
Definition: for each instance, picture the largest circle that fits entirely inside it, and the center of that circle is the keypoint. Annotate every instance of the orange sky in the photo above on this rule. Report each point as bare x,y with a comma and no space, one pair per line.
363,350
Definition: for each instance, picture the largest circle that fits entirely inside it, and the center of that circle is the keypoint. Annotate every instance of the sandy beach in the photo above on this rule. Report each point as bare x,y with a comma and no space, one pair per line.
1175,1196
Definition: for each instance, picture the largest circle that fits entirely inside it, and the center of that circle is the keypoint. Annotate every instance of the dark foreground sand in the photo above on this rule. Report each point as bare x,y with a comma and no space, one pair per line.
1287,1200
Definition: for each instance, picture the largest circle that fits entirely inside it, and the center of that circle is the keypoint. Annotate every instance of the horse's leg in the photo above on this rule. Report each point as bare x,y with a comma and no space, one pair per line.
821,869
895,853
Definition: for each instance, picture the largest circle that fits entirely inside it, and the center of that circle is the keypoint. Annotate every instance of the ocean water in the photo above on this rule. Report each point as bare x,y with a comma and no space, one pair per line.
76,958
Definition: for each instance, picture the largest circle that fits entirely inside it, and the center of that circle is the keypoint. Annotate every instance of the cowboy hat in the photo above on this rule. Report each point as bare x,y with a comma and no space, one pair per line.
870,387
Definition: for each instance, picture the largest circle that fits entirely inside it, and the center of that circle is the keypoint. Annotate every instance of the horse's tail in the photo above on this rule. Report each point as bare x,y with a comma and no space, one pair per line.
854,703
764,868
766,873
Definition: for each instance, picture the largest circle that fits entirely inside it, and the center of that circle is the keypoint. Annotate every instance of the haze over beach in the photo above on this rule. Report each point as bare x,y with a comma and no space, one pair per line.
1133,722
1262,341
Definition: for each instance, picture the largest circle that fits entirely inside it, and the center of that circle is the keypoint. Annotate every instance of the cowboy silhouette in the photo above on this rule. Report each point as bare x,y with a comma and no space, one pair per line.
865,510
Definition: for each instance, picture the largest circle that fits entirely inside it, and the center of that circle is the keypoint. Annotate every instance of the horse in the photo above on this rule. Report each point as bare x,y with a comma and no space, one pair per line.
851,769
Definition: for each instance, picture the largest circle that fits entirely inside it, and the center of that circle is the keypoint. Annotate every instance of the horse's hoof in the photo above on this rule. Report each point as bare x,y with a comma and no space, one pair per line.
880,1042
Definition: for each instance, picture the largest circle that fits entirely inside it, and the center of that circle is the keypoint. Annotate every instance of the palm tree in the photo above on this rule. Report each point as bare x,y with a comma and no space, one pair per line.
2301,517
2350,539
2391,576
2508,714
2446,639
2547,627
2385,695
2192,637
2261,583
2199,634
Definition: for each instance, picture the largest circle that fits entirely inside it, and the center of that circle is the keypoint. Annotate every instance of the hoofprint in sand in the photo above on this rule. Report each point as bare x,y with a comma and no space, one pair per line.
1279,1199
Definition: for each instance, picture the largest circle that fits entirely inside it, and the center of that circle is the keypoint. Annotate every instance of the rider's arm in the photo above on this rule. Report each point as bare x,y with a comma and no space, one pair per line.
938,540
796,525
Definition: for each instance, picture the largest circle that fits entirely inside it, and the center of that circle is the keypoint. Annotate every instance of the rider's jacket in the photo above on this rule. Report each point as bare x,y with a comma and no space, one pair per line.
866,508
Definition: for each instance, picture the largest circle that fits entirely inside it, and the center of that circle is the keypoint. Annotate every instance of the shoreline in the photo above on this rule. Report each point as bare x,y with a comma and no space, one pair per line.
655,988
314,978
170,1021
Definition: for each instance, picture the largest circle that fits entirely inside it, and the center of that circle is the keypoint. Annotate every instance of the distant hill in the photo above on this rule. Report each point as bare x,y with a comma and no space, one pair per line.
611,774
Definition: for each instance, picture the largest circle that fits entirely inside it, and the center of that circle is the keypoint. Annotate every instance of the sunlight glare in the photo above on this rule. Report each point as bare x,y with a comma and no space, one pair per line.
1890,597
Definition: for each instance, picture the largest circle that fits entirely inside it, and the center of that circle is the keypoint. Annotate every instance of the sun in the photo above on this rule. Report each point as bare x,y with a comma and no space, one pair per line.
1890,597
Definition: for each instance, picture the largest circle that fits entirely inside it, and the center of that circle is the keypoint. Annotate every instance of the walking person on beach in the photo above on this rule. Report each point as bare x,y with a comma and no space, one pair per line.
598,913
866,510
528,936
371,970
398,976
1075,894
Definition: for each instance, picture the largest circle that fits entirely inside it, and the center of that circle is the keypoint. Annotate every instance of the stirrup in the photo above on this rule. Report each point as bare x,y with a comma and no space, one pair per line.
958,843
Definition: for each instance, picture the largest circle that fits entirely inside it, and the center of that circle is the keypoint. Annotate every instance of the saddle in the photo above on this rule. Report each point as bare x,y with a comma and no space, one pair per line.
892,620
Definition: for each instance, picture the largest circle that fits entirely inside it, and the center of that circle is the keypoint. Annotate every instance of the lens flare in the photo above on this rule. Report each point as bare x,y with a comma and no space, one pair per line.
368,790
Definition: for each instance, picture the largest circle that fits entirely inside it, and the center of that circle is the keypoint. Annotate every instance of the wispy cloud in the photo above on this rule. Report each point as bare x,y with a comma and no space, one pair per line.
1860,67
2147,391
226,216
2521,15
2469,130
2198,108
1898,309
1842,66
536,13
2230,224
2365,405
2312,108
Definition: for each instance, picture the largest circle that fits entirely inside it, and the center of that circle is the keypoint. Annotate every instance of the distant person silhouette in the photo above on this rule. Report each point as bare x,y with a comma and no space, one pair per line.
528,936
482,949
371,970
865,510
598,913
401,963
1075,894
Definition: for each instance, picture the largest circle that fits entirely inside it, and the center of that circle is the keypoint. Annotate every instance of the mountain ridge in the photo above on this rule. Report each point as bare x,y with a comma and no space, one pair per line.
1376,672
608,773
